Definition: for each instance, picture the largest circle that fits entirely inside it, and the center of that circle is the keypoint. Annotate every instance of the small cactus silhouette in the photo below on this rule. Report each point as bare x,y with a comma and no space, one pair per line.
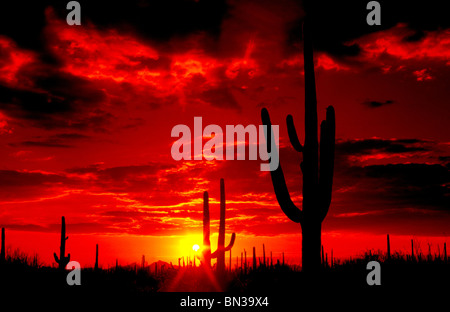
62,260
221,249
317,182
96,257
206,231
3,253
388,247
264,255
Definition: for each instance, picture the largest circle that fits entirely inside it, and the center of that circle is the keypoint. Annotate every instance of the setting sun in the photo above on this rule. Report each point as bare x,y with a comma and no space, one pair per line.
195,247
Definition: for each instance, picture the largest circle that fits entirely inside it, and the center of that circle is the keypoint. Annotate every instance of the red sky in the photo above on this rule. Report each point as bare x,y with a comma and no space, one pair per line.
86,114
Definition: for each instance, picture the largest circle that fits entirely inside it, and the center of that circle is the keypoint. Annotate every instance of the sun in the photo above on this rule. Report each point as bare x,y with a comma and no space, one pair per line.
187,242
196,247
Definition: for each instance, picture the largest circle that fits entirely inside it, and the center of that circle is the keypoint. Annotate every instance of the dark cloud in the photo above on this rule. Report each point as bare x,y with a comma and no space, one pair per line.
70,136
418,185
375,104
63,140
388,185
372,146
220,97
13,178
445,159
131,179
58,100
41,144
157,20
22,185
337,22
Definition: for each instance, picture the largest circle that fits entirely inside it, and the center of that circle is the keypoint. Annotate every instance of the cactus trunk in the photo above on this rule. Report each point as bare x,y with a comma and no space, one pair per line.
206,231
445,252
311,247
245,261
221,241
388,248
242,260
96,257
317,183
3,250
264,255
221,249
62,260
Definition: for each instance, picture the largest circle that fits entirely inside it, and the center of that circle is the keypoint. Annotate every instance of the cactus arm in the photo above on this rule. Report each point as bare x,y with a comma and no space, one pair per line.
327,147
293,134
231,244
56,257
278,180
228,248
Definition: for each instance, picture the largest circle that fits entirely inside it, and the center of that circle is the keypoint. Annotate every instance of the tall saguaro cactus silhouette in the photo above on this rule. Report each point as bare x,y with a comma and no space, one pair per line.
96,257
221,249
317,181
63,260
206,230
3,250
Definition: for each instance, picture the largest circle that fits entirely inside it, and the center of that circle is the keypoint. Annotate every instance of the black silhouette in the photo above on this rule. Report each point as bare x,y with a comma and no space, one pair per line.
63,260
221,249
2,254
96,257
317,182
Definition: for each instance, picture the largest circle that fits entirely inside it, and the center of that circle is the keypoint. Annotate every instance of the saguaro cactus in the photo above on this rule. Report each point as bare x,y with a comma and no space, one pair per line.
388,247
96,257
63,260
245,259
445,252
264,255
206,230
317,182
221,249
3,250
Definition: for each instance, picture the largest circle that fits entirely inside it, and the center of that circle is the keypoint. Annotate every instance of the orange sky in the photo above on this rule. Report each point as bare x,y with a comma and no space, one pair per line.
86,114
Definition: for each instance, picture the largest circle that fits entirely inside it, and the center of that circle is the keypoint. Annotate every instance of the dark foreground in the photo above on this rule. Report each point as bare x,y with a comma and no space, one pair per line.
404,283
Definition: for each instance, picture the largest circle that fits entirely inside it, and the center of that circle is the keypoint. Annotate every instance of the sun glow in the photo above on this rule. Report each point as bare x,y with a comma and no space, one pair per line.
190,245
